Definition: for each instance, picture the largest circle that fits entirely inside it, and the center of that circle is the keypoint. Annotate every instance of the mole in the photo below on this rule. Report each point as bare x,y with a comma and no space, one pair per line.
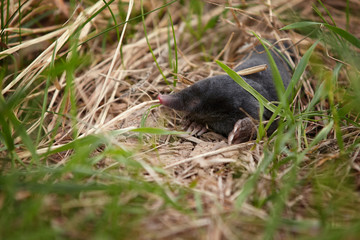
220,104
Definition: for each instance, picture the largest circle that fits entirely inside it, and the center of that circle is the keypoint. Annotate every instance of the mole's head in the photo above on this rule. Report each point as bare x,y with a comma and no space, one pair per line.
206,99
187,100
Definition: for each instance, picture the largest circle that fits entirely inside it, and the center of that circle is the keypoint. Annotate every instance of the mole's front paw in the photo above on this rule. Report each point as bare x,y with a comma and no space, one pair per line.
244,130
196,129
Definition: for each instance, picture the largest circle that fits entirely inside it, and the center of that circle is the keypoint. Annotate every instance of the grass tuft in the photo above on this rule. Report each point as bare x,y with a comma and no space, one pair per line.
87,152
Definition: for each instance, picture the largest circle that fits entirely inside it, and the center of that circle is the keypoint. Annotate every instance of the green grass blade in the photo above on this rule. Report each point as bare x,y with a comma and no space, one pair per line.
276,113
334,109
261,128
347,10
299,70
6,133
319,13
89,18
341,32
146,114
279,85
71,65
237,78
90,139
130,20
251,182
157,131
281,197
114,18
322,134
327,12
175,50
10,121
21,131
344,34
144,118
170,57
3,27
300,25
45,99
149,46
320,92
100,139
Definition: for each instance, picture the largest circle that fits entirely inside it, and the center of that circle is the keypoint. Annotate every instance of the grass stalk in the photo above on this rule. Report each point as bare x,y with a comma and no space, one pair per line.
176,66
149,46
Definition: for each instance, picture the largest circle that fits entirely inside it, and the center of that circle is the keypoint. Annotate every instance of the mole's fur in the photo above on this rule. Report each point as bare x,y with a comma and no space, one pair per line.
219,102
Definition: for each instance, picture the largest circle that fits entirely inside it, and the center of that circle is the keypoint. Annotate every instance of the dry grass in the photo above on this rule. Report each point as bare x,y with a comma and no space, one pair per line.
113,89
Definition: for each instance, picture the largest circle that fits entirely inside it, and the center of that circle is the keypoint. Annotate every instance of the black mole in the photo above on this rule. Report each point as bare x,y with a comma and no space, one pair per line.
224,106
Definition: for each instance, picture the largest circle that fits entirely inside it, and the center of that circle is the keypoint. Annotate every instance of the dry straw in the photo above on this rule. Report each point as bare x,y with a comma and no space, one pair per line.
119,87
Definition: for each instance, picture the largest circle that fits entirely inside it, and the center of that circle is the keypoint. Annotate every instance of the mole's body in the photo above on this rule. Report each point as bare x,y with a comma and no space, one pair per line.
219,102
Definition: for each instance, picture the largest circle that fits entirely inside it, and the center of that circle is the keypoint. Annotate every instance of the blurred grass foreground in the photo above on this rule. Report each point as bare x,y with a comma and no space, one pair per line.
87,153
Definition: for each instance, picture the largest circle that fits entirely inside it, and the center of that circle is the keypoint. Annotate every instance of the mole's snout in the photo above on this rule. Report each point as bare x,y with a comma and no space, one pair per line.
161,98
172,101
165,100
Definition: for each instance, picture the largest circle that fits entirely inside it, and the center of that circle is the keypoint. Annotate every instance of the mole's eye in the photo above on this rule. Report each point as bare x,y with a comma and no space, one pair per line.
193,104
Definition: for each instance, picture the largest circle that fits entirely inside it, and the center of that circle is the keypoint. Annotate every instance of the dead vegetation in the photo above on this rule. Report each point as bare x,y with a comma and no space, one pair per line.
115,81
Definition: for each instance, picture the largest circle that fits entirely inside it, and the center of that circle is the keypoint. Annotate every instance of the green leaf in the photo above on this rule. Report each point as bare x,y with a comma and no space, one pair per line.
344,34
300,25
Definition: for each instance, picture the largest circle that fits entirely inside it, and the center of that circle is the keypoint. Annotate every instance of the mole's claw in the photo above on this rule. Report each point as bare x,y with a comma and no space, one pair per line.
231,137
196,129
244,130
202,131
